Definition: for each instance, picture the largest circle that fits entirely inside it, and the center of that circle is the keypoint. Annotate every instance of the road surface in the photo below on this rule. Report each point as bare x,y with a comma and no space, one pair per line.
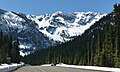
51,69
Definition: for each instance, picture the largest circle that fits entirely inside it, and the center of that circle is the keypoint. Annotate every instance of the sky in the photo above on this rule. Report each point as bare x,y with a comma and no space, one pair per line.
38,7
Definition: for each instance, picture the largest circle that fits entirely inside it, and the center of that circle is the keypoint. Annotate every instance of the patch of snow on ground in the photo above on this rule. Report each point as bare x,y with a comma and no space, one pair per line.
25,45
87,67
46,65
9,67
91,67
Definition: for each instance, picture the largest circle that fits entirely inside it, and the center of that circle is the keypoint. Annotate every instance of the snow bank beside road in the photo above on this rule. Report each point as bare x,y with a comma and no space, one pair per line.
46,65
91,67
87,67
7,68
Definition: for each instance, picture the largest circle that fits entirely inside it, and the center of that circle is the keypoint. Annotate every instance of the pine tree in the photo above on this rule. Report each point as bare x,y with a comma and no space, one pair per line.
15,55
88,54
1,55
116,52
108,49
76,59
97,52
91,52
116,14
80,61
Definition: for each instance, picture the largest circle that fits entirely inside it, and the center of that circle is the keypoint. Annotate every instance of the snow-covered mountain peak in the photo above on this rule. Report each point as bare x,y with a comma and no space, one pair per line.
46,30
11,16
61,26
57,12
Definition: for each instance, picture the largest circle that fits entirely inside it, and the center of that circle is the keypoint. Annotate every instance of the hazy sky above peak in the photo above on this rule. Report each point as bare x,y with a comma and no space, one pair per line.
38,7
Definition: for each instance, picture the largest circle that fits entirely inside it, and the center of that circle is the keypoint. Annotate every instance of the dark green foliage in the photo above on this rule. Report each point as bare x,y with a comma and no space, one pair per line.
15,56
9,50
99,46
97,52
117,34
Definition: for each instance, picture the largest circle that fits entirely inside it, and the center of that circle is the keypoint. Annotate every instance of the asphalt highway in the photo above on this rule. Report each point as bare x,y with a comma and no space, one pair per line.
51,69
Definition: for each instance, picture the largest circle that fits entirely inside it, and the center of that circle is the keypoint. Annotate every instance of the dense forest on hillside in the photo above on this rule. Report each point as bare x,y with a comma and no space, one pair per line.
9,49
99,46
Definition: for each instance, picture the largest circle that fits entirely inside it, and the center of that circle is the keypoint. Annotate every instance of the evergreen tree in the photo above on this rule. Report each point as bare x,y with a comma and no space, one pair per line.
88,54
91,52
116,13
1,55
15,55
97,52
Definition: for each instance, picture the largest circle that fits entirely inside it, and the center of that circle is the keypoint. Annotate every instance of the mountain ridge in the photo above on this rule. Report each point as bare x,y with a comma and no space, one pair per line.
45,30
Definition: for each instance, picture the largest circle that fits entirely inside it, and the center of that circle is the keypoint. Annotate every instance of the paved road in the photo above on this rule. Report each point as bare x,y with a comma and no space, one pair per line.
51,69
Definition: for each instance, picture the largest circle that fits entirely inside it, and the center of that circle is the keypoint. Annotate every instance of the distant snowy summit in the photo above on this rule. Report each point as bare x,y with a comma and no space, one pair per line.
61,26
46,30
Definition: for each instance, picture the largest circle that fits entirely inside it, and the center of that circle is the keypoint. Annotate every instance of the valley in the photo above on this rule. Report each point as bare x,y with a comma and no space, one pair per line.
37,32
60,41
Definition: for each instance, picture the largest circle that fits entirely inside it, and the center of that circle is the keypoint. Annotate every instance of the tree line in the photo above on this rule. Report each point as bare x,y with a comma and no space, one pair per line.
9,49
98,46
